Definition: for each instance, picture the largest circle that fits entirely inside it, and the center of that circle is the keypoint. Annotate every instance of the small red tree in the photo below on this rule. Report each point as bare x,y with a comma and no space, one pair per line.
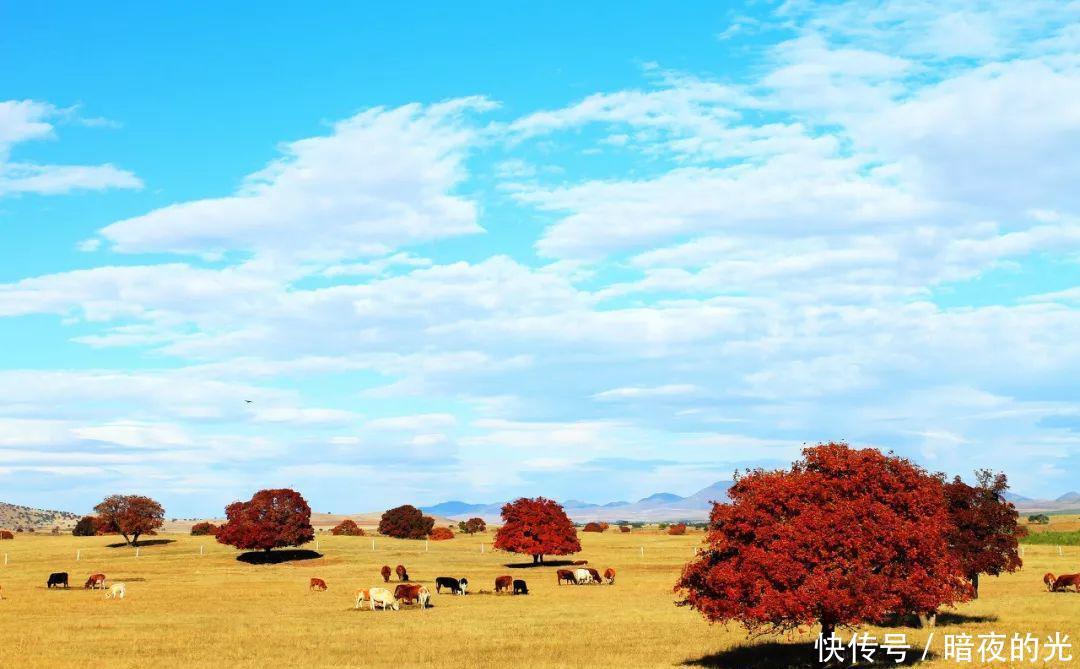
86,527
677,529
536,527
441,534
845,537
203,529
406,522
472,525
594,527
271,519
131,515
348,528
986,531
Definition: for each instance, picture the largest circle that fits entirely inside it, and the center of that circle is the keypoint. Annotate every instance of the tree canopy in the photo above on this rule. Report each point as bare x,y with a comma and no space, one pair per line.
536,527
845,537
406,522
273,518
986,532
130,515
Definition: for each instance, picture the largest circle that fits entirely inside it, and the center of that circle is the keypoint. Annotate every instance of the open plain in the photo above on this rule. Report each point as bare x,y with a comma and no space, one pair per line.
184,609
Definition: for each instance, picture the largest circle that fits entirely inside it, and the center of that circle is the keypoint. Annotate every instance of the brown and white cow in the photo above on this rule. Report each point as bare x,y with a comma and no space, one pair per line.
361,595
503,583
401,573
564,575
1048,579
1065,581
595,576
317,584
386,571
94,582
609,575
409,593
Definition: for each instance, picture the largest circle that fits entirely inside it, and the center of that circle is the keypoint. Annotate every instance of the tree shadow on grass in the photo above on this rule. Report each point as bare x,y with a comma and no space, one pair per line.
774,655
277,557
549,563
144,542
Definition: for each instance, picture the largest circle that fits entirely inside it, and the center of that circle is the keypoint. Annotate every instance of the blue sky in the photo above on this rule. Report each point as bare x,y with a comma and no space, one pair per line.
487,252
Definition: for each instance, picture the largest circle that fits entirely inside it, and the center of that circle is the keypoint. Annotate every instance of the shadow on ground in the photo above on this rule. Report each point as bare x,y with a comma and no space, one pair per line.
277,557
550,563
793,656
144,542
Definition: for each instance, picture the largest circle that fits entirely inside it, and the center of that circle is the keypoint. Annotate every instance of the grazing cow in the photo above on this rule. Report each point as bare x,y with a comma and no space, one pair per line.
386,573
317,584
57,578
361,595
1062,583
408,593
609,575
582,576
520,588
503,583
457,587
1048,579
117,591
595,576
578,563
384,598
564,575
401,573
94,582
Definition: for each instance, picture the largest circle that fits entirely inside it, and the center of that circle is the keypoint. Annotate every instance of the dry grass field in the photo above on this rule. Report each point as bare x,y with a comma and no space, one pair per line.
187,610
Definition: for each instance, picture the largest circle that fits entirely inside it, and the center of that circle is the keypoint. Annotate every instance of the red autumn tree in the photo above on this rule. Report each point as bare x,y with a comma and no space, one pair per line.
203,529
677,529
472,525
536,527
986,531
441,534
272,519
347,528
845,537
130,515
406,522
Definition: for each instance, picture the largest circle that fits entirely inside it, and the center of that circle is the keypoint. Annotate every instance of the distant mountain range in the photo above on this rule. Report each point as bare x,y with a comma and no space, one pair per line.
656,507
13,516
1070,501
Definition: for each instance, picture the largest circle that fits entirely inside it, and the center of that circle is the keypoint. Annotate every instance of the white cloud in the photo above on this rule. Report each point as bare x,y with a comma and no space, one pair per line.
28,120
382,179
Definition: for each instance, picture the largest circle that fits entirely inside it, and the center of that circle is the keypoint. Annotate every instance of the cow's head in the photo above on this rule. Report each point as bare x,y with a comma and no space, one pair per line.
464,584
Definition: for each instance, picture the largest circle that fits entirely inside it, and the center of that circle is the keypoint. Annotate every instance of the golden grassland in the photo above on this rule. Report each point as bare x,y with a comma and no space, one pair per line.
187,610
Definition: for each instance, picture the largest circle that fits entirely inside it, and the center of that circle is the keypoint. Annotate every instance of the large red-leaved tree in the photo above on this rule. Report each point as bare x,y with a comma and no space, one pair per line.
271,519
845,537
406,522
130,515
985,534
536,527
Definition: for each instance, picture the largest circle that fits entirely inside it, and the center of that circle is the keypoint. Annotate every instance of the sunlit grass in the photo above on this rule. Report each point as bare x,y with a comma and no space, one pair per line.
187,610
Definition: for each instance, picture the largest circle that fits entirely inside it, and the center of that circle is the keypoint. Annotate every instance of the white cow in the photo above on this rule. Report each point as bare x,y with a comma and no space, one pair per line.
117,591
384,598
582,576
424,595
361,595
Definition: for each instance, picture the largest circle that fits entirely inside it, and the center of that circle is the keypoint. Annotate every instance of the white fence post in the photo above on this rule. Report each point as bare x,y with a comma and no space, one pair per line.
425,545
1059,551
481,548
136,551
200,549
372,544
5,559
642,551
316,544
78,554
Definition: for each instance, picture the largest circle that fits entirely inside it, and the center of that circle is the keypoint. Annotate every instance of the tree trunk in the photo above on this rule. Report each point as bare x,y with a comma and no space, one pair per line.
975,585
828,628
536,559
541,558
927,620
126,539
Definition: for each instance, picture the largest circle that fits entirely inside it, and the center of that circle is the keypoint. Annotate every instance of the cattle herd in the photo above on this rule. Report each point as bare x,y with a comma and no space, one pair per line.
408,594
404,594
